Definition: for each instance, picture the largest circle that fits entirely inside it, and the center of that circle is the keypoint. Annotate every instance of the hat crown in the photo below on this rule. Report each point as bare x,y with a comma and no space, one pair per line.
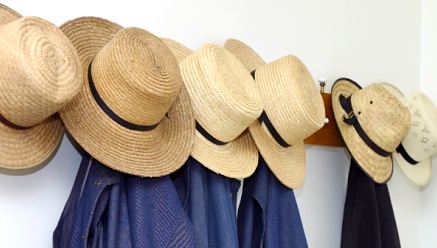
137,76
225,98
293,102
421,140
382,116
39,70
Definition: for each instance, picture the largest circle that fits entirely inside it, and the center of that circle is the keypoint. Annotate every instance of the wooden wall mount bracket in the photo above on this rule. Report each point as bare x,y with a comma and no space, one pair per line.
328,135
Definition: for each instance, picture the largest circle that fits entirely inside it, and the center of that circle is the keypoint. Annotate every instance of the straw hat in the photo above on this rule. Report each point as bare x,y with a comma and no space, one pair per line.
39,74
393,90
179,51
372,123
8,15
225,101
143,124
414,155
250,59
293,109
225,155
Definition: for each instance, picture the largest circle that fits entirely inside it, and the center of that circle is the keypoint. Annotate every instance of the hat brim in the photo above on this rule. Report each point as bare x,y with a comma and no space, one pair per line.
23,149
8,15
250,59
144,153
287,164
377,167
393,90
419,174
236,159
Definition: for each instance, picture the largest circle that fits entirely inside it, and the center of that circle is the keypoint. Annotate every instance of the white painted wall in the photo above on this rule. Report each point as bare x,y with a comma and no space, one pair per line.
368,41
428,226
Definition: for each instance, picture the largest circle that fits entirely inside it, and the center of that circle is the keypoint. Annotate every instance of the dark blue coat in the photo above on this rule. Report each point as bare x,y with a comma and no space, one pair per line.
268,215
108,209
209,200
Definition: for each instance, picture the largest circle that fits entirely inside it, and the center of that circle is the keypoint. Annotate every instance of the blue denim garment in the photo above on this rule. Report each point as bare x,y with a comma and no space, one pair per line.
109,209
368,219
209,200
268,215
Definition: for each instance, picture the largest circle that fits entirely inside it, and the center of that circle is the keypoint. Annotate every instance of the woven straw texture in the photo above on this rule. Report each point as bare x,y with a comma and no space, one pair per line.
38,68
295,107
383,118
421,140
393,90
132,68
421,172
225,101
179,51
39,73
7,15
250,59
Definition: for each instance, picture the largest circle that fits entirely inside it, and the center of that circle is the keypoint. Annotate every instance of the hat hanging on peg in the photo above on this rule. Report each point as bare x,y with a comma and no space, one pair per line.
328,135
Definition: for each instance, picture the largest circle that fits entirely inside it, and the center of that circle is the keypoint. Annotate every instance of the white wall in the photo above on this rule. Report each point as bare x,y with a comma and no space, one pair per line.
368,41
428,85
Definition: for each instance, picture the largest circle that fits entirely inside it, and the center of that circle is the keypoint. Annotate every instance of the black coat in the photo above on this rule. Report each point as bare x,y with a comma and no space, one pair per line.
368,219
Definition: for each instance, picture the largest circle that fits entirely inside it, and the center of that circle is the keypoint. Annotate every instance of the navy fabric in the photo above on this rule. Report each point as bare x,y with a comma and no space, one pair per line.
109,209
268,215
209,200
368,219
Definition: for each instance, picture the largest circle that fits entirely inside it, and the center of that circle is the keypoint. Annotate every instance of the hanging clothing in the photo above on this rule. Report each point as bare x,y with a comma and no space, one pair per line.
268,215
368,219
209,199
107,208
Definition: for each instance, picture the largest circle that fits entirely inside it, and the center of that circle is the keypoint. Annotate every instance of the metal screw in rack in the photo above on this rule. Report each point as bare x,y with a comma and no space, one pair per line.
322,82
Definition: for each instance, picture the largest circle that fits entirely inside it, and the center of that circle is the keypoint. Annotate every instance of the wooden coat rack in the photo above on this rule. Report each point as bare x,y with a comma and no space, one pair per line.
328,135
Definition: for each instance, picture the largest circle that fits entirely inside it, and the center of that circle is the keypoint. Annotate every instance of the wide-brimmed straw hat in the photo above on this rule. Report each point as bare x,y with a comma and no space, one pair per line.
39,73
131,114
293,110
227,157
225,101
414,154
372,122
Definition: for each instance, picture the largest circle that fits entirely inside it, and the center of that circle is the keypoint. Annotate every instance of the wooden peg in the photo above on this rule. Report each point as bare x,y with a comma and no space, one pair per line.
328,135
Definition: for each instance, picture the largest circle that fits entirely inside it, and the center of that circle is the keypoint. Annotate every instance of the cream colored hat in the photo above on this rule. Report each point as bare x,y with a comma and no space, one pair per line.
225,101
414,154
131,114
293,110
372,123
39,74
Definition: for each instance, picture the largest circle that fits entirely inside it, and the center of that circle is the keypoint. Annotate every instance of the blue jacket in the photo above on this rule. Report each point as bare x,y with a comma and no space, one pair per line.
209,200
268,215
368,219
109,209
